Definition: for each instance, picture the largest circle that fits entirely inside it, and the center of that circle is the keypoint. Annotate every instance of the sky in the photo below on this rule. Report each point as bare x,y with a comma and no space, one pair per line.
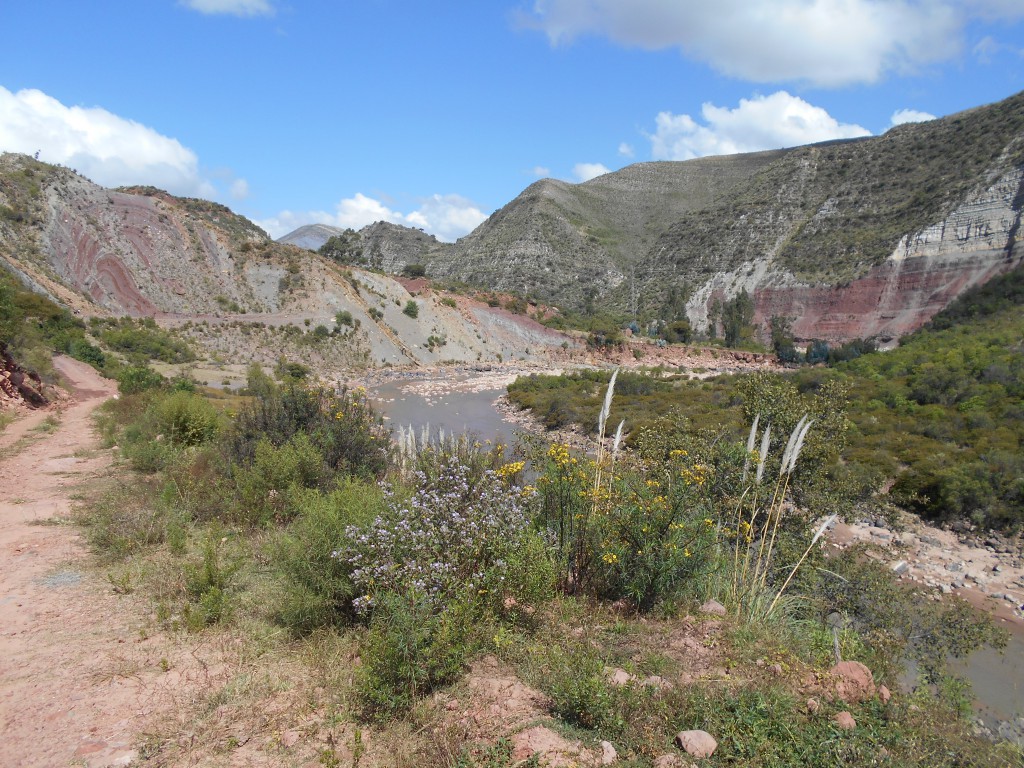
435,114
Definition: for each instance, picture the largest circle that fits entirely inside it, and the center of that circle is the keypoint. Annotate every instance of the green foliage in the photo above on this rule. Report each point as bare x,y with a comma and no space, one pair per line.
448,301
270,487
414,270
187,419
411,309
138,378
341,425
143,340
409,651
208,584
344,317
346,248
737,319
319,587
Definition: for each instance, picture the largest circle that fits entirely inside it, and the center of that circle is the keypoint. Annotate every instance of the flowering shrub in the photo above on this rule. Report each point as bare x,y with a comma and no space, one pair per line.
454,539
341,425
655,531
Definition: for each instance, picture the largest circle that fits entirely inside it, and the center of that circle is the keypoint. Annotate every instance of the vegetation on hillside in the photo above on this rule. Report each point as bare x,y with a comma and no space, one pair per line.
940,415
290,508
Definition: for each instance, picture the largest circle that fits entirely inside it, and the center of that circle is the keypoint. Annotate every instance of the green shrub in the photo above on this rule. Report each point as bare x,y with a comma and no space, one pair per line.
341,425
207,584
319,587
186,419
269,487
138,378
412,309
410,650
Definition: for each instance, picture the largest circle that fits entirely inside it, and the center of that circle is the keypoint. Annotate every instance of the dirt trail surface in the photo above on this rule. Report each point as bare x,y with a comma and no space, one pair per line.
61,701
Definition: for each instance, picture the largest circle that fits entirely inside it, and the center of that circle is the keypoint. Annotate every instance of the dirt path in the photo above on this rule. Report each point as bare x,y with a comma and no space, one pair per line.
64,698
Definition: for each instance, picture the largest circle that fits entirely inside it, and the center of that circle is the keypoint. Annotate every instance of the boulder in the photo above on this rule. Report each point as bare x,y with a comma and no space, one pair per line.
844,720
713,607
696,743
851,682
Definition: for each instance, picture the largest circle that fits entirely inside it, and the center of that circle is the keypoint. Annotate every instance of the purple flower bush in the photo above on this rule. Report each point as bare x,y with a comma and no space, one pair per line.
457,537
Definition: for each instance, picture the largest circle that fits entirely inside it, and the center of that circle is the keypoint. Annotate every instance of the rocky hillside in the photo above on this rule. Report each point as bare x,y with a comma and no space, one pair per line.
867,237
196,265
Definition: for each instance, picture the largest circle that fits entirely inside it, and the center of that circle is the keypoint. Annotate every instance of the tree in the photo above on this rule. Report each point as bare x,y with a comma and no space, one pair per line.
737,319
782,339
411,309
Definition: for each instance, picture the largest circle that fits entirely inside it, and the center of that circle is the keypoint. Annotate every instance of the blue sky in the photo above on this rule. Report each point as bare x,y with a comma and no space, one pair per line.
435,114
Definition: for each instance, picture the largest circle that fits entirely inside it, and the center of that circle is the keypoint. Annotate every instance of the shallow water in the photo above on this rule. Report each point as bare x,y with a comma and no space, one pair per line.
453,412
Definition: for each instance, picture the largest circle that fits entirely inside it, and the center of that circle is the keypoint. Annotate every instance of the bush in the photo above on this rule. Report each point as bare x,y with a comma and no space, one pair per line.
186,419
269,487
138,378
410,650
319,586
412,309
341,425
452,539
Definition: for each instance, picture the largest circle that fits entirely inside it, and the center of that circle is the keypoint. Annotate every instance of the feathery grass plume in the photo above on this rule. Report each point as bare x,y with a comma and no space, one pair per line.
793,437
798,446
763,453
617,440
602,419
750,445
814,540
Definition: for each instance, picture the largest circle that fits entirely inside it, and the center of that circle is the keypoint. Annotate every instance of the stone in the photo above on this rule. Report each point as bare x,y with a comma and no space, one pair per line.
553,750
844,720
900,567
852,682
713,607
775,669
669,761
884,694
620,677
608,753
813,706
696,743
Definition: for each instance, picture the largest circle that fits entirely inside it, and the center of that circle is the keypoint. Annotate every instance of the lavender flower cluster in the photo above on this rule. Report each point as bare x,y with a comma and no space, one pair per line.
450,538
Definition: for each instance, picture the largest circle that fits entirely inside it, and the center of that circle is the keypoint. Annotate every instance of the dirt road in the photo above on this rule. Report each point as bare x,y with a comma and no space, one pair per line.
66,698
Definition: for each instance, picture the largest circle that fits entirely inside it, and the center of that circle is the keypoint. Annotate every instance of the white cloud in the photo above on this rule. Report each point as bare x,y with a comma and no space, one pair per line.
901,116
108,149
541,171
448,217
239,189
986,49
231,7
588,171
762,122
823,42
626,150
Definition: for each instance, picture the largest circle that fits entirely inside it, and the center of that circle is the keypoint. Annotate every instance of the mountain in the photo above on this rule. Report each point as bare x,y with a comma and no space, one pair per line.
311,236
866,237
227,286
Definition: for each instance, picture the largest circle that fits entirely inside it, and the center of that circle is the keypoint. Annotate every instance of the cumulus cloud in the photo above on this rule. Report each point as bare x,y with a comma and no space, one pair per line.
448,217
762,122
588,171
108,149
901,116
828,43
541,171
626,150
231,7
